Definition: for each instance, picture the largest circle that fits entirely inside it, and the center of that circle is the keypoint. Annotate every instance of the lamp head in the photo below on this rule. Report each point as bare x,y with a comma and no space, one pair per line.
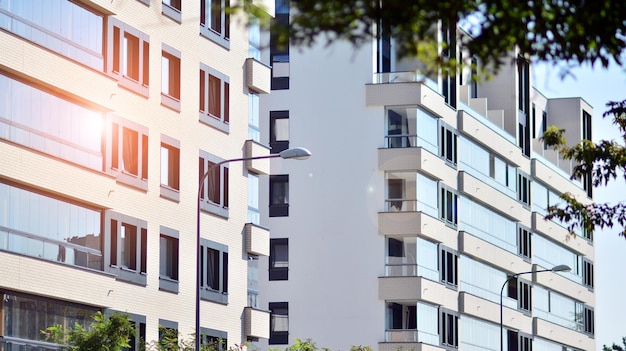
299,153
561,268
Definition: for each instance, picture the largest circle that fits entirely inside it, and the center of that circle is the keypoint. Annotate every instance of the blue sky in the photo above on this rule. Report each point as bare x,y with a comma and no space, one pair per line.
597,86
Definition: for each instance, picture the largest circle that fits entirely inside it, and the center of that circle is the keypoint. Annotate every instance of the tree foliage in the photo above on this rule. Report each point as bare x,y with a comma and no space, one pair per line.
604,161
615,347
104,334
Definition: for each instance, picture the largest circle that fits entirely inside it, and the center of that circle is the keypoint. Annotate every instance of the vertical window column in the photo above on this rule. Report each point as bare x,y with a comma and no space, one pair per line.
279,323
279,131
168,260
279,195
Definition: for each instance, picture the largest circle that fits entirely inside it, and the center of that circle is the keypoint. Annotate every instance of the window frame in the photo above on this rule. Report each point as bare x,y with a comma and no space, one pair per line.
278,273
206,160
588,273
219,295
279,55
116,32
278,145
221,35
114,154
523,189
170,97
524,242
171,190
278,209
172,9
113,248
448,144
169,282
209,336
221,122
280,337
447,209
447,317
448,271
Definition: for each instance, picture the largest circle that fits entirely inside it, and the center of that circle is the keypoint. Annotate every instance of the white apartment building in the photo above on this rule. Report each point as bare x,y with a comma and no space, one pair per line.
423,195
110,113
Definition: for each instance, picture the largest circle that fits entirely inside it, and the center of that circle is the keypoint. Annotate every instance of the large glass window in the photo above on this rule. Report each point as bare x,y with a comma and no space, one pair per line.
254,215
33,117
279,131
403,131
412,256
25,316
487,167
279,51
279,259
548,254
41,226
61,26
479,335
488,225
411,191
484,281
279,195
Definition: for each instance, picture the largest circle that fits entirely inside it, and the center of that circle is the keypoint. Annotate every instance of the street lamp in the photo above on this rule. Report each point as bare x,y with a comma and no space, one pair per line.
559,268
298,153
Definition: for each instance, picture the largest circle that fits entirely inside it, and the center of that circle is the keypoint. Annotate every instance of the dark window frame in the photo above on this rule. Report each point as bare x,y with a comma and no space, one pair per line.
215,187
448,205
170,95
278,273
137,79
171,190
278,337
278,145
136,271
217,118
448,328
119,132
278,208
172,9
448,266
448,144
215,21
219,260
588,273
524,242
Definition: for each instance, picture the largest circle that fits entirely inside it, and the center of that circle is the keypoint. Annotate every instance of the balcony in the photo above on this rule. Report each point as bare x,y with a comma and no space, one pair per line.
557,178
416,288
258,76
512,318
494,198
403,345
416,223
484,251
254,149
391,159
257,239
566,336
406,88
561,235
256,323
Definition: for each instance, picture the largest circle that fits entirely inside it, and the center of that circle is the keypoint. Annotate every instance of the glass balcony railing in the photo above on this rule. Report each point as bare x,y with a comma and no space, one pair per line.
411,335
404,77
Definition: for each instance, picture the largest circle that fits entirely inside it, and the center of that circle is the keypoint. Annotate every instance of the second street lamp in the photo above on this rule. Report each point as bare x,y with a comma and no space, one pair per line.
298,153
559,268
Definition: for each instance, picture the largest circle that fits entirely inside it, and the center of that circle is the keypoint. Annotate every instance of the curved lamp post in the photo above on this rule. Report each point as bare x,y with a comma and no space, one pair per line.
298,153
559,268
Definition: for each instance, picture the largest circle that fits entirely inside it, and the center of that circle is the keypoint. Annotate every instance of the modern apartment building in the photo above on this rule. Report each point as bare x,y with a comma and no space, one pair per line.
425,193
110,114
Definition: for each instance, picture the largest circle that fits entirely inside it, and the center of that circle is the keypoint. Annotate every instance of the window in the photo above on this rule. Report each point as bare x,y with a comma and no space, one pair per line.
254,216
24,316
172,9
126,240
127,152
402,316
448,328
279,50
170,77
589,320
520,290
128,56
523,94
279,259
447,143
137,340
523,188
214,271
49,228
168,260
254,130
279,323
402,130
214,98
214,194
58,26
80,144
279,195
214,339
215,21
517,341
170,168
168,334
586,135
448,205
587,273
448,52
253,281
279,131
448,267
524,242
